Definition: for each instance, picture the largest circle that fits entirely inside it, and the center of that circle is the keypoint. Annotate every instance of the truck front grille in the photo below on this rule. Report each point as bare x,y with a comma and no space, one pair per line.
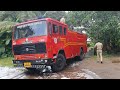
36,48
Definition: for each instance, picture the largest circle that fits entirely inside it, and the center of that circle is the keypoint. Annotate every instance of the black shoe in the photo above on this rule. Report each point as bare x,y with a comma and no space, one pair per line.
101,62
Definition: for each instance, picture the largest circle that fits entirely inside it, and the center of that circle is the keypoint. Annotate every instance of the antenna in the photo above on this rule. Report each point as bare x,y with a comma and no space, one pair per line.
43,16
45,13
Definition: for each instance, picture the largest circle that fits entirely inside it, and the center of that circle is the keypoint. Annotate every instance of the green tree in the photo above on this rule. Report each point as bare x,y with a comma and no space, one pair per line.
7,20
101,25
55,14
106,29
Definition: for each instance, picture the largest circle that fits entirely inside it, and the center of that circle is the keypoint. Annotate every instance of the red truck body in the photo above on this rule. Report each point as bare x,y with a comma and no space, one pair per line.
46,42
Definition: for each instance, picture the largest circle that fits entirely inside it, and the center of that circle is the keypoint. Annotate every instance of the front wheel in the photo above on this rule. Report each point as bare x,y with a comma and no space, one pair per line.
60,63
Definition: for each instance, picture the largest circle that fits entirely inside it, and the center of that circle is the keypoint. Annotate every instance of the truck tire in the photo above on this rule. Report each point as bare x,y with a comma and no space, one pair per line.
81,54
60,63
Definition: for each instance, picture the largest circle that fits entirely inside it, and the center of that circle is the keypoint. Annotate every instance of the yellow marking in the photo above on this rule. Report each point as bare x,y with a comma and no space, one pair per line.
73,32
73,43
27,64
70,43
63,39
79,38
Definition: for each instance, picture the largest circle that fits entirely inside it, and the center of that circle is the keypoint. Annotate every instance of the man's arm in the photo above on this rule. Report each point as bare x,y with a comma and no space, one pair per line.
95,46
102,45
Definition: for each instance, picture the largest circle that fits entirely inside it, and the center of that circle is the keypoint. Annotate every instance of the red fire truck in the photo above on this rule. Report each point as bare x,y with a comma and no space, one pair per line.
46,42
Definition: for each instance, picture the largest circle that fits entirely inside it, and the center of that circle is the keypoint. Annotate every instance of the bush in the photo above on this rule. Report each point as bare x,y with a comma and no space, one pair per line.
90,44
5,44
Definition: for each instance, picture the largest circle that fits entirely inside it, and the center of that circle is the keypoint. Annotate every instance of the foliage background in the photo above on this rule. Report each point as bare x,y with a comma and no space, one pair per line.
103,26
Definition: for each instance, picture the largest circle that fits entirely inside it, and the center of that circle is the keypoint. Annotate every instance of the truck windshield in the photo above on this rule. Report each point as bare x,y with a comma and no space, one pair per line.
30,30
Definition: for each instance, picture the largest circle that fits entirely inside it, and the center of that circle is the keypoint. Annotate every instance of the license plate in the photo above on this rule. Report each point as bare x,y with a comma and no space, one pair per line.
27,64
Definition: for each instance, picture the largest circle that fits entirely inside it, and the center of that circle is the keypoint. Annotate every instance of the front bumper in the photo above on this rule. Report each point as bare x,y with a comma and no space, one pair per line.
34,63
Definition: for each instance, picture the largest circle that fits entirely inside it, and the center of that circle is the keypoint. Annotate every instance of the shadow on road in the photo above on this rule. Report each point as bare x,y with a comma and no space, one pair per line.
70,63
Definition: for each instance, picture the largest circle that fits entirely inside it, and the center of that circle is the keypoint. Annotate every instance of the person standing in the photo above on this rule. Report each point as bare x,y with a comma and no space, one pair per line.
99,47
71,27
62,20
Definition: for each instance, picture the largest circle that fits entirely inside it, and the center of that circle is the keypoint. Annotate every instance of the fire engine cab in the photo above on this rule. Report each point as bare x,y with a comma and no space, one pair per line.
46,42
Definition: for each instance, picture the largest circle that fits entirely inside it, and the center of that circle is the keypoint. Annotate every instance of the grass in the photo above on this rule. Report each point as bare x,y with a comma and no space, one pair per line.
7,61
113,57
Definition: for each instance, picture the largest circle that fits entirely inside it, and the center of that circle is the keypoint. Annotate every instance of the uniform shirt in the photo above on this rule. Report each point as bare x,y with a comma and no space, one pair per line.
99,46
62,20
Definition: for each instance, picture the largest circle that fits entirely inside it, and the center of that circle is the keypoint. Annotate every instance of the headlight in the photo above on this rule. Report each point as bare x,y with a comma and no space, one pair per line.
45,61
17,62
45,55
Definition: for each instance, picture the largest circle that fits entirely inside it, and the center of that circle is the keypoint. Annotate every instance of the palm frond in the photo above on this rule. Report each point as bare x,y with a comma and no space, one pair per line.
6,25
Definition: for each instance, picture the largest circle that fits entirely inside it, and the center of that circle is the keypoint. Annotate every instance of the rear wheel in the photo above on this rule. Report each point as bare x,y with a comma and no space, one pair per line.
82,54
60,63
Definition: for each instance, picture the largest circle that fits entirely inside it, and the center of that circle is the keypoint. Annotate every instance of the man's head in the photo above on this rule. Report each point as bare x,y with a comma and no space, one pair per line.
97,41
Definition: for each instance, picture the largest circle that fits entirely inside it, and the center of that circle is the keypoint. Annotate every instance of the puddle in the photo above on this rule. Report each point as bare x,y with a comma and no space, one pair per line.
72,71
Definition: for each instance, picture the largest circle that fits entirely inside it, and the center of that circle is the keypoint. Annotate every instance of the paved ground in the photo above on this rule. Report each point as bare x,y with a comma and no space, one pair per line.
70,72
110,69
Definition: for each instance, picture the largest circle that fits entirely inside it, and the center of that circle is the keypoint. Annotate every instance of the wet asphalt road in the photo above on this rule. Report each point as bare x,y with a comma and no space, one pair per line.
72,71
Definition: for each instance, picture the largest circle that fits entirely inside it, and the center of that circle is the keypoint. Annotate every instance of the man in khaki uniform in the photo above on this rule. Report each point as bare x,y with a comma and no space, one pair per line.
99,47
62,20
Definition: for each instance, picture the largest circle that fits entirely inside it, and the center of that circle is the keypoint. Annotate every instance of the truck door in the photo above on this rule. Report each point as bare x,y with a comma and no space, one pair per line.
50,39
67,39
61,40
55,37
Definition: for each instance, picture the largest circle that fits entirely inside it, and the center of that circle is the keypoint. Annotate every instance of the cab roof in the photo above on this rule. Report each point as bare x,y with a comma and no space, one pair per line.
42,19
